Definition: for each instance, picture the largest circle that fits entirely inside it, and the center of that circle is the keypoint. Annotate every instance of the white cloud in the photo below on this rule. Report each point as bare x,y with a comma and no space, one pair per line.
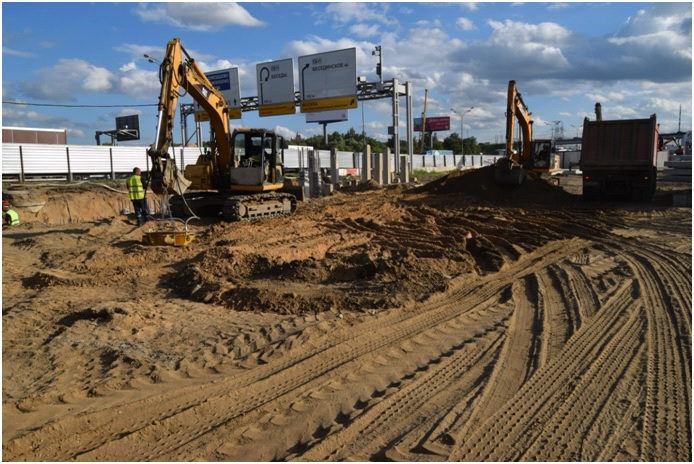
346,12
558,6
515,33
197,16
465,24
363,30
138,83
12,52
69,76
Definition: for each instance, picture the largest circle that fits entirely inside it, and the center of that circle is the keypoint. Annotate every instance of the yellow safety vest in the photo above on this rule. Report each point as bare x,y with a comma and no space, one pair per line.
135,189
13,216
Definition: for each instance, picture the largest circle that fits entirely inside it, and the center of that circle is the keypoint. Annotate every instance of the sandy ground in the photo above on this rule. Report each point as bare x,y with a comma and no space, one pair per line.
453,321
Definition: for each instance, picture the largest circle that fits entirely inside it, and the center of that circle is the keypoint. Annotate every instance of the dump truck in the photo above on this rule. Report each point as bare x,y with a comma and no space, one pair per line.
618,158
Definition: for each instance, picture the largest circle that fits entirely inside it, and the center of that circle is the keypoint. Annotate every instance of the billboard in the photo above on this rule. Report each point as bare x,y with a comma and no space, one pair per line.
275,87
328,116
127,128
328,81
434,123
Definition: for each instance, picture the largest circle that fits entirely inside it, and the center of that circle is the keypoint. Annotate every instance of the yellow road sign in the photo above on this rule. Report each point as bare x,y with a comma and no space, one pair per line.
234,113
336,103
277,109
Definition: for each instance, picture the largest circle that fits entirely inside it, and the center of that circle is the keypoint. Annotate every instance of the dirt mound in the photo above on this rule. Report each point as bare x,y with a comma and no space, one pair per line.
480,184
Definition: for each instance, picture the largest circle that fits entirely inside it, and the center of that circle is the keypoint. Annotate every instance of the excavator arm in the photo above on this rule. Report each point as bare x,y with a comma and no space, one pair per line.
517,110
179,72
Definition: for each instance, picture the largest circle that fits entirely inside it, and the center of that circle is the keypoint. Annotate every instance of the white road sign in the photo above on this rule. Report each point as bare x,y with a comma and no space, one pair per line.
227,82
275,87
275,82
330,79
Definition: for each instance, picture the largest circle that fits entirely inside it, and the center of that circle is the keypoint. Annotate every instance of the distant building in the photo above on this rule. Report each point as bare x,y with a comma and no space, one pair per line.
32,135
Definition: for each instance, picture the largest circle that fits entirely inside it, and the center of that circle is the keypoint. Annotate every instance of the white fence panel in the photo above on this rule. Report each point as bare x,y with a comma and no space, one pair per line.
11,162
45,159
126,158
569,158
85,160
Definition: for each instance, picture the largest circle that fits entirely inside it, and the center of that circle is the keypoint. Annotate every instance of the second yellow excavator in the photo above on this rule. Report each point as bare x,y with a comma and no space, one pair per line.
241,175
536,155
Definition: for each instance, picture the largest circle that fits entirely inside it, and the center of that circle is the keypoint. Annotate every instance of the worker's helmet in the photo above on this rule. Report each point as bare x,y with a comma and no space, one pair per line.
5,205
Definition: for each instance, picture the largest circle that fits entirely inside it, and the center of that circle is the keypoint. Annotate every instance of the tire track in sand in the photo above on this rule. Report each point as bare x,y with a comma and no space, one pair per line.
198,411
508,434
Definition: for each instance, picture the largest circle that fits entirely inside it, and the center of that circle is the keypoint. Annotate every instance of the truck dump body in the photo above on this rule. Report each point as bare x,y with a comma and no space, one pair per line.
618,158
619,144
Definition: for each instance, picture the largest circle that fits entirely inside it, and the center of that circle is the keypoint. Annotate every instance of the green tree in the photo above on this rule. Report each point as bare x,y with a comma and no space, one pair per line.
470,145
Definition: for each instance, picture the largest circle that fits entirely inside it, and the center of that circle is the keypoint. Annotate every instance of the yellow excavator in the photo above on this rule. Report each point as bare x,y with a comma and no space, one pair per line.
536,155
241,175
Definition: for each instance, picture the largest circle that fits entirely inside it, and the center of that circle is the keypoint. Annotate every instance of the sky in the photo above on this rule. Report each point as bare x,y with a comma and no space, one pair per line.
78,66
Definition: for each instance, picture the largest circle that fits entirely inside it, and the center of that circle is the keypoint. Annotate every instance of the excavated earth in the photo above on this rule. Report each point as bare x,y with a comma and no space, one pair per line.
450,321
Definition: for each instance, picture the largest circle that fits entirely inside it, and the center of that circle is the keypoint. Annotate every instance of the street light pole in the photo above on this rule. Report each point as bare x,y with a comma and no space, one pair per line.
151,59
577,128
462,118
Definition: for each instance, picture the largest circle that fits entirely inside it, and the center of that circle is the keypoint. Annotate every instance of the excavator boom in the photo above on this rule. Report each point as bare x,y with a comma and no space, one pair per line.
178,73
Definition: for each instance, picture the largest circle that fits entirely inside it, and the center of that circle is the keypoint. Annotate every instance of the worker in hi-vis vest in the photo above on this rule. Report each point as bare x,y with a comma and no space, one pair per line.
9,216
137,196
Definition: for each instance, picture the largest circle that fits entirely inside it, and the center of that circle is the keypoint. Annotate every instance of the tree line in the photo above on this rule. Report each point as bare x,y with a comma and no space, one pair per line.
354,141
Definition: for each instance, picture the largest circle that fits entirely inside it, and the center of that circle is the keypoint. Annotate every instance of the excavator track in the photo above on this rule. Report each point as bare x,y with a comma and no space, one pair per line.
261,205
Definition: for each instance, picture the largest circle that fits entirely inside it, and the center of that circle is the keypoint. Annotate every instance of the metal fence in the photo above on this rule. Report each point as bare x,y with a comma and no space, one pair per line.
25,161
73,162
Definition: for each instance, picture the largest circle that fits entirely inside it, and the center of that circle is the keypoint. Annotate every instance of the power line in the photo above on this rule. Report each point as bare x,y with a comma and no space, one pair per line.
76,106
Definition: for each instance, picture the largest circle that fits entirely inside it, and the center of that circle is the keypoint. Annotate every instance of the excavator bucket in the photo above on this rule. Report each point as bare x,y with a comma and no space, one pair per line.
508,173
168,179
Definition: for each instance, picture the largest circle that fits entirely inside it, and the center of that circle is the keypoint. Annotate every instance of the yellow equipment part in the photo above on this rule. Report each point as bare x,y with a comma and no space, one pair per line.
170,232
200,174
168,238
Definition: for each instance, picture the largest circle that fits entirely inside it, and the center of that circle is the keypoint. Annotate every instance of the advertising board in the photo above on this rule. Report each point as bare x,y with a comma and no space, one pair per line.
434,123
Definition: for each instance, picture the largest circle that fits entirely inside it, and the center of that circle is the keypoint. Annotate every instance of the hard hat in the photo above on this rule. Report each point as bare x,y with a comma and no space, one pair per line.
5,204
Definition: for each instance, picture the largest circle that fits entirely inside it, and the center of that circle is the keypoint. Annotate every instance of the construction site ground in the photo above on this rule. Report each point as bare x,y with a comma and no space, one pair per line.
453,320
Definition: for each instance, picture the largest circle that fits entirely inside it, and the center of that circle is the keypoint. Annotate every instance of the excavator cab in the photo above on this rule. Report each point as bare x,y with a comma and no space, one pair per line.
257,161
544,157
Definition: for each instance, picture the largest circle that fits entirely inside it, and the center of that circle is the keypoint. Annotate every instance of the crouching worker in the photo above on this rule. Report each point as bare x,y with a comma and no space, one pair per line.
9,216
137,196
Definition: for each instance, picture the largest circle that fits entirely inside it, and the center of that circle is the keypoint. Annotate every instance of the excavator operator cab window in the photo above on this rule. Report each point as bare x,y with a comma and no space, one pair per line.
248,149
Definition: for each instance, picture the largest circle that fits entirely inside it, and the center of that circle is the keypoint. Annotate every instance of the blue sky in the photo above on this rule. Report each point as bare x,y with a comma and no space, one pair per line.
634,58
